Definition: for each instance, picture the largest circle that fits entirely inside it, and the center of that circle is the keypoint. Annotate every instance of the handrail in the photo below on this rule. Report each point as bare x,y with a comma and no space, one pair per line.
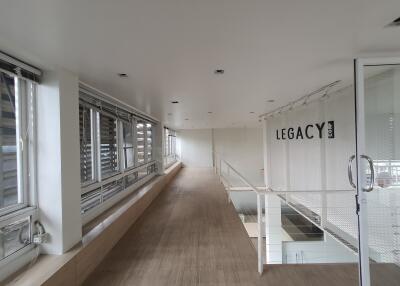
244,180
260,262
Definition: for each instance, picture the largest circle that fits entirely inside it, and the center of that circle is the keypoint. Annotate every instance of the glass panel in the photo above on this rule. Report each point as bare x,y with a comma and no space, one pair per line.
8,142
142,173
14,236
129,152
91,200
131,179
111,189
140,142
382,144
86,144
149,142
108,145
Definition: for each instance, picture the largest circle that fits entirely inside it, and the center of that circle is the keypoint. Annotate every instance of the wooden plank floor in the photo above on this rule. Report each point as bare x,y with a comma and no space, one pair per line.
191,235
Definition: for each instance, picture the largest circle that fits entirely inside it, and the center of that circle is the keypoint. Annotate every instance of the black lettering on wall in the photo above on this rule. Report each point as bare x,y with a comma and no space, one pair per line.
307,134
290,133
331,129
299,134
320,127
308,131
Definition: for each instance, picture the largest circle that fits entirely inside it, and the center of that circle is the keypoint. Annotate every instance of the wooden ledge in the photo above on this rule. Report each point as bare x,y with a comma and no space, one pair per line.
99,237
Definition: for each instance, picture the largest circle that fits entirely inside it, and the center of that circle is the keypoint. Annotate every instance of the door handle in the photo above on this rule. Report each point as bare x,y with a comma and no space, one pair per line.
371,167
350,171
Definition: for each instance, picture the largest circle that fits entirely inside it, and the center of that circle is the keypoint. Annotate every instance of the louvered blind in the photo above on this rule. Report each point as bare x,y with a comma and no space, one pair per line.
149,141
86,144
140,128
129,152
8,142
108,145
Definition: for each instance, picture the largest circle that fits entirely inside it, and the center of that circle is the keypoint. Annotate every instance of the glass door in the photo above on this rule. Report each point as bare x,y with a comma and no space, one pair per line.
378,169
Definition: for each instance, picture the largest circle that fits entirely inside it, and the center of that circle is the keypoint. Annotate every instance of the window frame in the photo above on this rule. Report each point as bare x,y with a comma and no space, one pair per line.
25,92
97,196
93,126
169,154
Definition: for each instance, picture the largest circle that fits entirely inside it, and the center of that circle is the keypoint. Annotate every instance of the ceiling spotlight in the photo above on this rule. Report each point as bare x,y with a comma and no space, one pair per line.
270,100
123,75
174,102
219,71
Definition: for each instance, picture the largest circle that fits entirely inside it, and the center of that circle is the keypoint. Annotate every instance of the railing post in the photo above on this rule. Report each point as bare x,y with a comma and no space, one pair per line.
220,169
229,185
259,238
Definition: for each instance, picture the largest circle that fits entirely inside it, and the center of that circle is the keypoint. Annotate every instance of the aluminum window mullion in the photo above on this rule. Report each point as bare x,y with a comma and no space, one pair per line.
134,137
121,152
31,123
18,87
93,139
98,146
145,141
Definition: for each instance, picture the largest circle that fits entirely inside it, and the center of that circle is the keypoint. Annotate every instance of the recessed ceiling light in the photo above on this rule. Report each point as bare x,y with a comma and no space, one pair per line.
219,71
123,75
271,100
209,112
174,102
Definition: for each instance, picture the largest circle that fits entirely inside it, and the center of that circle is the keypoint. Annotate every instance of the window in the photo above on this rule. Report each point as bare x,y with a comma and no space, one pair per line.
140,142
8,157
127,143
169,147
149,141
86,117
116,152
17,179
108,145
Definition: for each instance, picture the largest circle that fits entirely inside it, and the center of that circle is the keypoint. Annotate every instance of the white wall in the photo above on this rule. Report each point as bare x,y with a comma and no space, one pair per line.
328,251
196,147
242,148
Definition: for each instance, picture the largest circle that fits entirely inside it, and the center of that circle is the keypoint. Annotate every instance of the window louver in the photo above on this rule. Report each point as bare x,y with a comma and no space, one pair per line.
140,142
149,141
8,151
128,149
86,144
116,151
108,145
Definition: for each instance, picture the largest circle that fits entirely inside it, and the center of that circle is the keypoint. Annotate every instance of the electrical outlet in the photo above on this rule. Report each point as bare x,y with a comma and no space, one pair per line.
41,238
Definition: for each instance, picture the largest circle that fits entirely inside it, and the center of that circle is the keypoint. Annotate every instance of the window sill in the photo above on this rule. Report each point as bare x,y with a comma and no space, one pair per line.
73,267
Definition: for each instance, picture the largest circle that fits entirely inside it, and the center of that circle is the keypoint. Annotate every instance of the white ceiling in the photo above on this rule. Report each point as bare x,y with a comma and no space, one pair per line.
270,49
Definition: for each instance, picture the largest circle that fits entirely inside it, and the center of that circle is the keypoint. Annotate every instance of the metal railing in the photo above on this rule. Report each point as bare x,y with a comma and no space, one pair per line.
219,164
321,209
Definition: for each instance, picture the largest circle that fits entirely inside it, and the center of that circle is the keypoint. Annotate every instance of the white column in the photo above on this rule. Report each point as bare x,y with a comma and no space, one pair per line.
273,230
273,224
58,176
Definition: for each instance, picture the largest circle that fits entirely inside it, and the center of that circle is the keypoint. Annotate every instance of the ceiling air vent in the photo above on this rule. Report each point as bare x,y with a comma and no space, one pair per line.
395,23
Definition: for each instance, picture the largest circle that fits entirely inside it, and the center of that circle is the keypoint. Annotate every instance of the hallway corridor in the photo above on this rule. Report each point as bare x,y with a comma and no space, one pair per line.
190,235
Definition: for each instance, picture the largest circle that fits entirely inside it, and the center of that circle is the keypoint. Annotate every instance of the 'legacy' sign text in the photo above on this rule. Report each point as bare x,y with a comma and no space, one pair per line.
309,131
